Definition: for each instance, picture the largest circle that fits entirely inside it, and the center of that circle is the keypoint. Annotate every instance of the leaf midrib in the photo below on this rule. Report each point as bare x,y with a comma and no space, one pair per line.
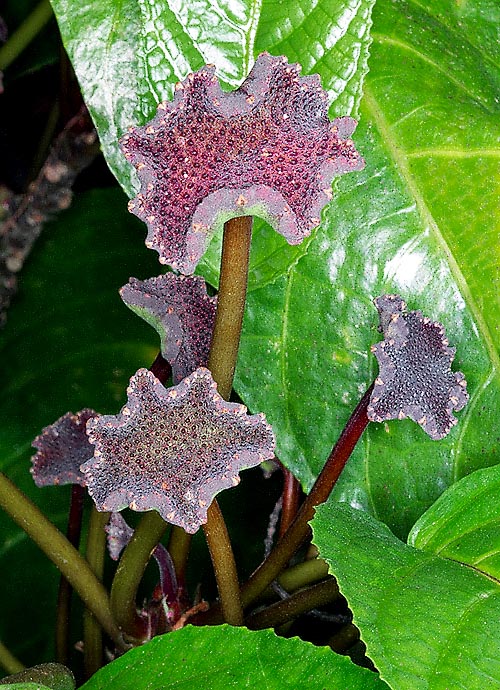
397,152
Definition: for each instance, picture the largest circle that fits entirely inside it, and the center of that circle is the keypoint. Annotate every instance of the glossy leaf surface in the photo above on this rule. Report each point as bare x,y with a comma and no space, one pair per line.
128,56
222,657
427,622
464,523
409,223
422,221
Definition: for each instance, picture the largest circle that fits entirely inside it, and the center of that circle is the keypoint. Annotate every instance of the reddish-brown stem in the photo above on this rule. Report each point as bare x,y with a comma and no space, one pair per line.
222,557
230,302
73,533
299,530
290,505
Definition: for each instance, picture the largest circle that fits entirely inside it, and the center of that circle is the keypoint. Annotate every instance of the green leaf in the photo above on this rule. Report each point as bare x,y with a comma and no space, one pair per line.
25,686
427,622
421,220
409,223
223,656
129,56
53,676
69,343
464,523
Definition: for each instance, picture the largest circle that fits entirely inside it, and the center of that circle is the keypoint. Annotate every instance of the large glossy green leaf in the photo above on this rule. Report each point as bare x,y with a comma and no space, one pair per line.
421,220
428,622
128,57
222,657
409,223
69,343
464,523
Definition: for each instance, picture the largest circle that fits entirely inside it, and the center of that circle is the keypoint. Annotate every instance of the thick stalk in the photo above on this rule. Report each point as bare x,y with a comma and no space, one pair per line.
179,543
299,529
95,554
130,570
64,556
25,33
222,363
297,604
230,302
222,556
303,574
63,617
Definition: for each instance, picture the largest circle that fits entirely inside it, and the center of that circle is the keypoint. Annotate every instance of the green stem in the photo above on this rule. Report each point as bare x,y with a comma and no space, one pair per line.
299,530
222,556
179,543
303,574
301,602
63,616
64,556
130,570
230,302
25,33
222,363
342,641
8,661
92,631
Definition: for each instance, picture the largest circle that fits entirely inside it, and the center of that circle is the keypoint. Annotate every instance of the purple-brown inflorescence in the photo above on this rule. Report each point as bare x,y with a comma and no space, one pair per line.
173,449
179,308
266,149
415,378
61,448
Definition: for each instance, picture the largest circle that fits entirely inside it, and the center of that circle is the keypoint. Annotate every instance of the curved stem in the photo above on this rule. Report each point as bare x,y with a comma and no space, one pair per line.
64,556
342,641
25,33
63,616
224,566
130,570
299,529
9,662
301,602
92,631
